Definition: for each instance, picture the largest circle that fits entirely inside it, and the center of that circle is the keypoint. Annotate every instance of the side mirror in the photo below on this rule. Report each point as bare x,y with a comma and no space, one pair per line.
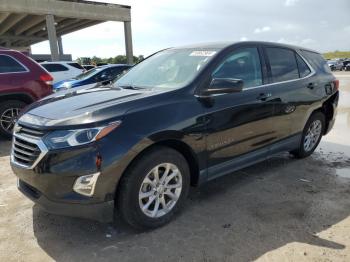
223,86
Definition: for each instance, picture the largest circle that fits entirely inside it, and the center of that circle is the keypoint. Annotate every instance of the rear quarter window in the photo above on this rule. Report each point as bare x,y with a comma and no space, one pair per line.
317,61
55,67
10,65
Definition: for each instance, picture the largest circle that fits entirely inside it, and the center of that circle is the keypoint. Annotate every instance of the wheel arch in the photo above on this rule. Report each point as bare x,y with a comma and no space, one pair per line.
178,145
17,96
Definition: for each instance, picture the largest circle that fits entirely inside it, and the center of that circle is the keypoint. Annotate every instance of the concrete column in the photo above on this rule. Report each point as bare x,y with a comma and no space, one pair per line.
128,42
51,32
60,47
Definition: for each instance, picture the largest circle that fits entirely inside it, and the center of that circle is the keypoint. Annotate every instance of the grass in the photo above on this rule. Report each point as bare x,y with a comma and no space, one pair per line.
337,54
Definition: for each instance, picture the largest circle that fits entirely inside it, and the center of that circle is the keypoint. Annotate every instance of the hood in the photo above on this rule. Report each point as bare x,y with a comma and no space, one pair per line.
83,106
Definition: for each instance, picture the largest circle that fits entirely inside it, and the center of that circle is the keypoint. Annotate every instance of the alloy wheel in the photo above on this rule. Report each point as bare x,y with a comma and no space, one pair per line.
160,190
8,119
312,135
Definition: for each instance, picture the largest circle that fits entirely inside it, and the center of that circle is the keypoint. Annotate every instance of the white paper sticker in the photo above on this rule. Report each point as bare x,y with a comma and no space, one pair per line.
203,53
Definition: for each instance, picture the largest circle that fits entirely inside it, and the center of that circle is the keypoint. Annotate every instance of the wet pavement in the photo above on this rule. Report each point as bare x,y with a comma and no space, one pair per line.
283,209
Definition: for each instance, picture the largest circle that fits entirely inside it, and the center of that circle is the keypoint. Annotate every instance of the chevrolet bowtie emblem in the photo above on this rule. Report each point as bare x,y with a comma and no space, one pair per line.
17,128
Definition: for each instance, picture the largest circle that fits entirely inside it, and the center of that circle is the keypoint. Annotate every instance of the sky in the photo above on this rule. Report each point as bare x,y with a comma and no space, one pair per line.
322,25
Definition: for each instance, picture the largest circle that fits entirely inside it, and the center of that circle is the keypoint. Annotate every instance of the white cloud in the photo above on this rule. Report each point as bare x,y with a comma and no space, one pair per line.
243,38
290,2
262,29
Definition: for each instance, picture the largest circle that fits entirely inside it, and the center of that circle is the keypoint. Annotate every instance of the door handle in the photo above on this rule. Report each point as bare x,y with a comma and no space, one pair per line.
263,96
311,86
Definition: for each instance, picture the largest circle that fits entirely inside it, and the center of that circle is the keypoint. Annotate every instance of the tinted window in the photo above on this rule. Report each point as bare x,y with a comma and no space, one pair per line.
304,70
117,70
76,65
283,64
104,75
10,65
243,64
317,61
54,67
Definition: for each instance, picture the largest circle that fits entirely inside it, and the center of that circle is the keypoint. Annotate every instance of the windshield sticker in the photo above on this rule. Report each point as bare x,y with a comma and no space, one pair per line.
203,53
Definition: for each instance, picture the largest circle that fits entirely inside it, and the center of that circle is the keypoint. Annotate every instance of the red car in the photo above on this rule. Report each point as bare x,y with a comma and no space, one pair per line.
22,81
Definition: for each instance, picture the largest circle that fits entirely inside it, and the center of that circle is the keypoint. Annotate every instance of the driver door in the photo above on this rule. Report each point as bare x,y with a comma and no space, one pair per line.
239,123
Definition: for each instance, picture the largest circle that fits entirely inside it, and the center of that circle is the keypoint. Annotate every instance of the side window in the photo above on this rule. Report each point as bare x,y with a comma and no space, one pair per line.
242,64
10,65
116,71
104,75
283,64
304,70
76,65
317,61
55,67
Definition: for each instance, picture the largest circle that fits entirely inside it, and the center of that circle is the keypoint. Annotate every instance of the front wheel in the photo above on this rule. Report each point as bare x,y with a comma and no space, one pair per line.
311,136
154,188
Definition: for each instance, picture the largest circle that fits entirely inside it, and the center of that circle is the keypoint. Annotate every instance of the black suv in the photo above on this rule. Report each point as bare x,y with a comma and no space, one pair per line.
181,117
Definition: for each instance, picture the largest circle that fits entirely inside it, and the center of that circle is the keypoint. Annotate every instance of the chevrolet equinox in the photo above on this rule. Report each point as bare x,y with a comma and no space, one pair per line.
181,117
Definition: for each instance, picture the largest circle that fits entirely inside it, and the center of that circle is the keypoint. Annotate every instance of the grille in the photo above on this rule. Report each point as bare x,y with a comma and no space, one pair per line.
31,132
25,152
27,147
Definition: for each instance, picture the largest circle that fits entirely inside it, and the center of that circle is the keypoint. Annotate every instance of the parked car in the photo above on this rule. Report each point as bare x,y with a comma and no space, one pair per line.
62,70
346,65
103,75
22,81
181,117
335,65
88,67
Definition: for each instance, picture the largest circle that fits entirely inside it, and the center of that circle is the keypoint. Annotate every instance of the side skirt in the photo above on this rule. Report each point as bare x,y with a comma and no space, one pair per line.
251,158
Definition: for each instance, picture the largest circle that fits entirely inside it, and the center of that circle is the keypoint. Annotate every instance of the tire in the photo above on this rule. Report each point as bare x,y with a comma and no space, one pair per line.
304,150
9,111
133,185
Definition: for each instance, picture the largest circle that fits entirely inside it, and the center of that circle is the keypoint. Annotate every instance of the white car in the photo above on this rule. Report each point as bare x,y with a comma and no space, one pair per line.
62,70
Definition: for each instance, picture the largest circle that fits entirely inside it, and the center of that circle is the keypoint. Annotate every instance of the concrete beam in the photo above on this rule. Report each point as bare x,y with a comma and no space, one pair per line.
60,46
12,37
69,9
10,21
40,28
128,42
78,26
51,31
31,21
3,16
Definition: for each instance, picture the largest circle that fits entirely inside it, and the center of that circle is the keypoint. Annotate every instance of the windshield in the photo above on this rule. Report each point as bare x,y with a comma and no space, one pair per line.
172,68
88,73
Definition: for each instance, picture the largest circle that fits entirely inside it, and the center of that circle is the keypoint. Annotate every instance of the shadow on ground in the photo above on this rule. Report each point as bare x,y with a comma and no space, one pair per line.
5,147
239,217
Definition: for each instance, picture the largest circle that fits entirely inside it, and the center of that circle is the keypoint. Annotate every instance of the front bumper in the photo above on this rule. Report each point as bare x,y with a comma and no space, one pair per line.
50,184
102,212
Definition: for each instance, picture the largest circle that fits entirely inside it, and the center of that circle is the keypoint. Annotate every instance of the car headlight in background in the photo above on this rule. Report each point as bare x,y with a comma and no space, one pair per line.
68,138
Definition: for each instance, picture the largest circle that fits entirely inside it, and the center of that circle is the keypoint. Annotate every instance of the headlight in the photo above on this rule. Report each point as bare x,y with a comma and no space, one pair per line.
68,138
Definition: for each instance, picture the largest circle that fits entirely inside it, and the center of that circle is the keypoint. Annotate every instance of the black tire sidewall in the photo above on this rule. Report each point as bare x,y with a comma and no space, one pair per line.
128,201
7,105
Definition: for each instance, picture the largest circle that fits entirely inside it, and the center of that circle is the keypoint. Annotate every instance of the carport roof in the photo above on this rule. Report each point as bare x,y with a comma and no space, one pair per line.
22,22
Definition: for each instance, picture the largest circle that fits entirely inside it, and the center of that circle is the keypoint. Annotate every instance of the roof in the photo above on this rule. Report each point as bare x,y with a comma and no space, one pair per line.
23,22
222,45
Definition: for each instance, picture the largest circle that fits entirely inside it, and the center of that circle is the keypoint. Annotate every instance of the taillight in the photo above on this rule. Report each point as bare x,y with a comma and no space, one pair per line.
47,78
336,84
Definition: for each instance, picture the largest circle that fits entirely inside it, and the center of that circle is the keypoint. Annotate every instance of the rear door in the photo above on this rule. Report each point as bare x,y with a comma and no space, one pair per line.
13,74
289,78
242,122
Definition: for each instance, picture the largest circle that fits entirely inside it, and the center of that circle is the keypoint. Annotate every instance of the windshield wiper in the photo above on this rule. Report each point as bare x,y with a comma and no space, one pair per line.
132,87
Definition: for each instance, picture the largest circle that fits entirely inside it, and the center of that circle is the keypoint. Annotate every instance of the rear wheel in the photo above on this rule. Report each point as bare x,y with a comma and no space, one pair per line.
154,188
311,136
9,111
